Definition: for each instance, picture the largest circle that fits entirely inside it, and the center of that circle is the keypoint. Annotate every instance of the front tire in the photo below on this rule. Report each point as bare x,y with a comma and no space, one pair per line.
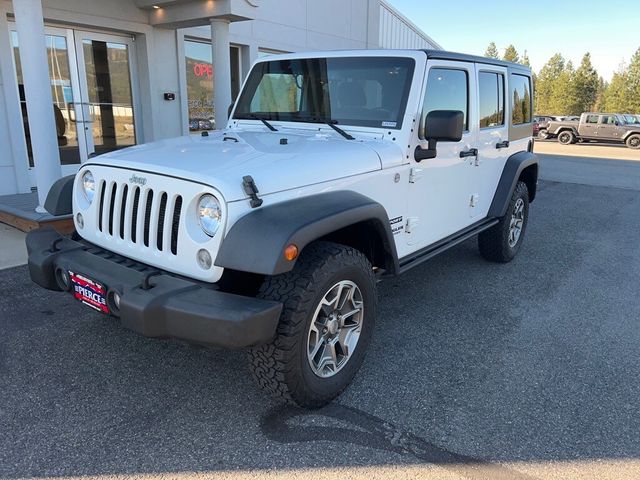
633,142
502,242
325,328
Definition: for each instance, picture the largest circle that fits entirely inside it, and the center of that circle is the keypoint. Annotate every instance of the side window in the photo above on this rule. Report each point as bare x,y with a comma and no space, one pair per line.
521,95
447,89
491,87
592,118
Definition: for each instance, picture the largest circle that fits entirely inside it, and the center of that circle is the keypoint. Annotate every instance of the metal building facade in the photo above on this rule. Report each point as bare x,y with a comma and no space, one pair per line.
397,31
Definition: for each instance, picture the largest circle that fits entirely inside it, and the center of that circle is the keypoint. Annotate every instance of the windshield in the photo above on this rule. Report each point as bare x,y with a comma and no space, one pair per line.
631,120
359,91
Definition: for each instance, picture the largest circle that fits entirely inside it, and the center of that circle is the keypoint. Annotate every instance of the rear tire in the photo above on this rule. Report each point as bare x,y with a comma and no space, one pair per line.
566,137
543,134
633,141
318,347
502,242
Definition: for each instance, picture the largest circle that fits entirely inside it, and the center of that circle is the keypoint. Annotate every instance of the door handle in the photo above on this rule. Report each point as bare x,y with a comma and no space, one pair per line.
504,144
469,153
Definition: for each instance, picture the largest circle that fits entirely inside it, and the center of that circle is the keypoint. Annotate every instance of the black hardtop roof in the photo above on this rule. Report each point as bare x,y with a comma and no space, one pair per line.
463,57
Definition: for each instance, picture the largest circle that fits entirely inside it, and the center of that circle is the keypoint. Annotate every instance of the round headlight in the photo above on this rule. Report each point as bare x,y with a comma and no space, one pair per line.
88,186
209,214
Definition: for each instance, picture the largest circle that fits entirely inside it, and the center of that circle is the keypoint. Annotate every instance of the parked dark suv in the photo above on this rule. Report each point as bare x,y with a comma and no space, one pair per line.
600,127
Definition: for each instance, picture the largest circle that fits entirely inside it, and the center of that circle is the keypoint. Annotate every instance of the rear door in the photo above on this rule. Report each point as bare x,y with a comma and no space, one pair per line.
493,138
589,128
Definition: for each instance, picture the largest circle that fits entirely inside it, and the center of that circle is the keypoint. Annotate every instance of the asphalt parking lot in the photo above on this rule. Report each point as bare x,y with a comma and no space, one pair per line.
476,370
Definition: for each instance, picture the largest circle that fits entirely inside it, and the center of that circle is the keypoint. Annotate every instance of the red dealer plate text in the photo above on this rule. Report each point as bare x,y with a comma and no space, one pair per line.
89,292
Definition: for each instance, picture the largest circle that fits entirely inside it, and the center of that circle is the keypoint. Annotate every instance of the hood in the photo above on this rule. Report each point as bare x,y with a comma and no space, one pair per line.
277,161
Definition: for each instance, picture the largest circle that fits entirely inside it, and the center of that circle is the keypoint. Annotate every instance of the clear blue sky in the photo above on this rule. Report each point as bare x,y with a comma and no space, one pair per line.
609,29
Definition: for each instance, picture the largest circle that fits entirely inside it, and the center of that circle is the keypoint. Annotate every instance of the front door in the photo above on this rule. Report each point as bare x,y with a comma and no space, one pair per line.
608,128
439,188
92,93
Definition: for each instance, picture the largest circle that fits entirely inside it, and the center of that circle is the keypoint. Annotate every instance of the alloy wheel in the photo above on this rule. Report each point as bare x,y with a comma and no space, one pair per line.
335,329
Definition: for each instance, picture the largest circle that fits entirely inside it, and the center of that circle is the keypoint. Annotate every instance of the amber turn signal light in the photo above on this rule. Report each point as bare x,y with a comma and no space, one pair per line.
291,252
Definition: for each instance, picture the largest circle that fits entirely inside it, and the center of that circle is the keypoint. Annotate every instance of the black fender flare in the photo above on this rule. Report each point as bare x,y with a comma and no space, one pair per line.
514,167
256,242
59,198
629,133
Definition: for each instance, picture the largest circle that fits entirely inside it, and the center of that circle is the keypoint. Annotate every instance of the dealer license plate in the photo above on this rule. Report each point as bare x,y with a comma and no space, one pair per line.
89,292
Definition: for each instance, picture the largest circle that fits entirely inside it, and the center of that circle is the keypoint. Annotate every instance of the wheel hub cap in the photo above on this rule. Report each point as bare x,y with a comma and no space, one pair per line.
516,223
335,329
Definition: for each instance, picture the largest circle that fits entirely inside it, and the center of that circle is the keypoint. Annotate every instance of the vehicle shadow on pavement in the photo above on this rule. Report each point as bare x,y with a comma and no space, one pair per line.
348,425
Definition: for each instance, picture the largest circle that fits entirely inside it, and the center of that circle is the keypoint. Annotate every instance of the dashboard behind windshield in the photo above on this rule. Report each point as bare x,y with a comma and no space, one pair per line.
358,91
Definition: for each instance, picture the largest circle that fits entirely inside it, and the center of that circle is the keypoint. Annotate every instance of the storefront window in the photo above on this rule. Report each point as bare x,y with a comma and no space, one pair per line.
200,75
199,85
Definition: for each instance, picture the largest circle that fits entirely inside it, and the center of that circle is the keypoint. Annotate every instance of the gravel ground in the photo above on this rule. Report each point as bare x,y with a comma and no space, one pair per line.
476,370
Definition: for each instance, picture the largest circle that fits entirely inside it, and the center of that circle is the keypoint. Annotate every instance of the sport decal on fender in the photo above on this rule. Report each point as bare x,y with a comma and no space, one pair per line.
396,225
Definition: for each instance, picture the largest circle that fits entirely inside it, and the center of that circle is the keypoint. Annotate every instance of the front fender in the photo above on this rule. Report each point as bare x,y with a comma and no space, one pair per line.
256,242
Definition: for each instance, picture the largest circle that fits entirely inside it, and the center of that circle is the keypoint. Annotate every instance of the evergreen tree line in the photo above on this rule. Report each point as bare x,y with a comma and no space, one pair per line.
562,89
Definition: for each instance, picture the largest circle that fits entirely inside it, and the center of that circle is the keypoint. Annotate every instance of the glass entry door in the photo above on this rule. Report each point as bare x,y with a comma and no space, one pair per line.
92,91
106,106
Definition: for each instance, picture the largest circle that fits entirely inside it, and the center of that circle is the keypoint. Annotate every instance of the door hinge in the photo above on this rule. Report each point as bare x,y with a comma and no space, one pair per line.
412,223
473,202
415,174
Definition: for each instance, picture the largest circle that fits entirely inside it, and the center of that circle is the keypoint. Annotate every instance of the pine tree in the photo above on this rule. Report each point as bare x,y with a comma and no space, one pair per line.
525,60
632,96
546,84
511,54
492,51
599,105
585,86
615,98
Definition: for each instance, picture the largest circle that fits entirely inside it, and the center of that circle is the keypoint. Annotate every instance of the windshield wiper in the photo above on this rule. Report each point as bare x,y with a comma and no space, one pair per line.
269,126
339,130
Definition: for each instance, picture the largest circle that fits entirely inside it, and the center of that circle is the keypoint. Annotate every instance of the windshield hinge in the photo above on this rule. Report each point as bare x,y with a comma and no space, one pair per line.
251,189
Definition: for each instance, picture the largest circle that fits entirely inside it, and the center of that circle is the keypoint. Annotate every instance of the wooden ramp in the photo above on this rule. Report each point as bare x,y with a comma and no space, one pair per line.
19,211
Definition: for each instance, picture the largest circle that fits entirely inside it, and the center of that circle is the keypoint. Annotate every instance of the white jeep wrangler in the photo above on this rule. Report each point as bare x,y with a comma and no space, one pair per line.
336,170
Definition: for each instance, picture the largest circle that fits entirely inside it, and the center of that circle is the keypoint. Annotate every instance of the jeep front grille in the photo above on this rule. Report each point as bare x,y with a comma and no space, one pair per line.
140,215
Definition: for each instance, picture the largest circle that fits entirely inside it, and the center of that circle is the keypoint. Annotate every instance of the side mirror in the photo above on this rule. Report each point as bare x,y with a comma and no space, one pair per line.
440,126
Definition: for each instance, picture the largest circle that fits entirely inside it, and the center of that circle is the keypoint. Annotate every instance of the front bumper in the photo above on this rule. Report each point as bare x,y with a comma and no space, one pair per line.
155,303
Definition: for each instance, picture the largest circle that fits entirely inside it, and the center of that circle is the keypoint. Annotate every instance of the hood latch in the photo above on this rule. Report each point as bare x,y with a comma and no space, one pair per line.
251,189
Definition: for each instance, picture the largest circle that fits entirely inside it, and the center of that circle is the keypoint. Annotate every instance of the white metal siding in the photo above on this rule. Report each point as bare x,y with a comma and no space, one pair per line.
397,31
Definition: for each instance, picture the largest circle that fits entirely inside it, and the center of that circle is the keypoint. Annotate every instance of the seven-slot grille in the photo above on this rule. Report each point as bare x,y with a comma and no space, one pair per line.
140,215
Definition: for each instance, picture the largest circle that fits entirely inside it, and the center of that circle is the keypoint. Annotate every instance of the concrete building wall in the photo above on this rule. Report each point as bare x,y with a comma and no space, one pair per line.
158,56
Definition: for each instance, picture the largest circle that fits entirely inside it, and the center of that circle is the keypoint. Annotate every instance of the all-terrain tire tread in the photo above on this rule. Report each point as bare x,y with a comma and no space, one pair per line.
492,243
271,363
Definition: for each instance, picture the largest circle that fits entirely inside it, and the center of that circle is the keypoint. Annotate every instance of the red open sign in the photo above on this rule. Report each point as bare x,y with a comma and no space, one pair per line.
202,69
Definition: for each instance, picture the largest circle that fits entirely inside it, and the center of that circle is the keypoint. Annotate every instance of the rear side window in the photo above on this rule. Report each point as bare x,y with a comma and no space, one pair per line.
447,89
592,119
491,86
521,95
